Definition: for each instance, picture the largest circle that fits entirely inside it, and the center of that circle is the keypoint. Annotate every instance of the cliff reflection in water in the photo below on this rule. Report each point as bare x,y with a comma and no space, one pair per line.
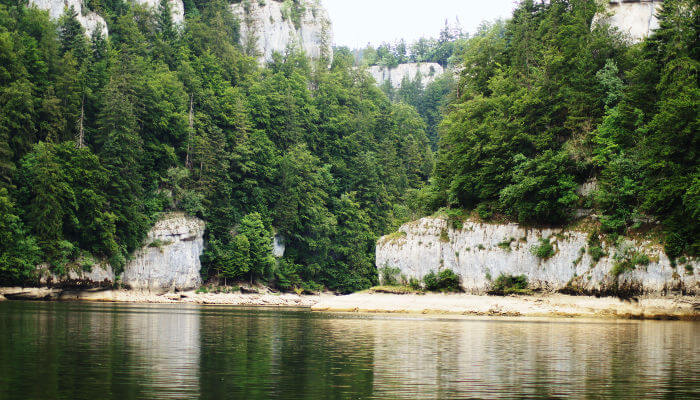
502,359
91,351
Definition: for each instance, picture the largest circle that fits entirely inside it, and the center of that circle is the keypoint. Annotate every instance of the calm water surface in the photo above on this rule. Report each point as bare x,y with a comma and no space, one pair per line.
51,350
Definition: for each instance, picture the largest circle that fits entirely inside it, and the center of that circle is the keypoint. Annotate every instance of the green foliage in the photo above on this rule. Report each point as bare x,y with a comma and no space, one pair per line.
19,253
544,250
596,253
444,236
509,284
627,258
439,50
505,244
504,138
99,135
547,101
259,248
444,281
484,211
415,284
595,248
389,276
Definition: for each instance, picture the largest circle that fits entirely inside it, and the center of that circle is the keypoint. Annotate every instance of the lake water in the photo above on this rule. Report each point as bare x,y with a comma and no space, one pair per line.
54,350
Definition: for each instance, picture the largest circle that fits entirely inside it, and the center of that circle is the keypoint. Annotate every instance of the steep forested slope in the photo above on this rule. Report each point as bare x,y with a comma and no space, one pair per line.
548,101
97,136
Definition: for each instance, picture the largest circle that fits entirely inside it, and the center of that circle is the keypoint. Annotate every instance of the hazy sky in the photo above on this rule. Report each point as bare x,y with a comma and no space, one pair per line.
356,22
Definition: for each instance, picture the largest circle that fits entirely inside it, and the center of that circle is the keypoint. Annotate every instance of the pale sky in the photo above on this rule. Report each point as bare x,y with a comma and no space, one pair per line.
357,22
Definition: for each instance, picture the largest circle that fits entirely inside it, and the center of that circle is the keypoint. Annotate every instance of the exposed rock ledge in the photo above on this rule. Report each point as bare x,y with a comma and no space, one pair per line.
91,21
169,260
269,27
480,252
428,72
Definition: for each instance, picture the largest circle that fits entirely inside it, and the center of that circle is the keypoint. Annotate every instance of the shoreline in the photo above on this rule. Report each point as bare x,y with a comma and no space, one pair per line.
529,306
550,305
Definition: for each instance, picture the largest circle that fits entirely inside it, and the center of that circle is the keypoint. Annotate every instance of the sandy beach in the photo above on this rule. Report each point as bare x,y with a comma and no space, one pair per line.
135,296
545,305
542,305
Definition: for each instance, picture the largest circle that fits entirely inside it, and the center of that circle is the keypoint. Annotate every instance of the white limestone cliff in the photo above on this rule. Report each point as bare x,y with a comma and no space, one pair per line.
269,26
89,19
480,252
428,73
92,21
170,259
94,276
637,19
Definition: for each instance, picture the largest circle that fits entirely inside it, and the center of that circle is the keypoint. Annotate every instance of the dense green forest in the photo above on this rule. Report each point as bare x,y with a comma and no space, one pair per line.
99,135
546,101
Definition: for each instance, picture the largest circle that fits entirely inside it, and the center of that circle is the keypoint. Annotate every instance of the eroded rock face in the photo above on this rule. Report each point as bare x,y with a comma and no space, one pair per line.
89,19
170,259
635,18
480,252
396,75
100,275
271,26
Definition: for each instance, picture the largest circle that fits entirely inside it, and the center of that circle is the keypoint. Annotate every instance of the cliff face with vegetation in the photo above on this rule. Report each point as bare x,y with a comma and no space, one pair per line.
90,20
170,259
551,259
100,135
269,26
395,75
637,19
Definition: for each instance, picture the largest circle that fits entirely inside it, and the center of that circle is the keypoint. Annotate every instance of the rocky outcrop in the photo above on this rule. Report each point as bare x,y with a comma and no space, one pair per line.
92,21
89,19
269,26
170,259
427,71
100,275
480,252
636,18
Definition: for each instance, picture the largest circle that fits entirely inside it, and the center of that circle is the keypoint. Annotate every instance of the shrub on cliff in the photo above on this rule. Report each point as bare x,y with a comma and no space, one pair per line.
509,284
544,250
389,275
444,281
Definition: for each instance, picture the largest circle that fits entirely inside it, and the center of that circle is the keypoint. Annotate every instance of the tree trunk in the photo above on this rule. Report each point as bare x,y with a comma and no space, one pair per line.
81,134
188,163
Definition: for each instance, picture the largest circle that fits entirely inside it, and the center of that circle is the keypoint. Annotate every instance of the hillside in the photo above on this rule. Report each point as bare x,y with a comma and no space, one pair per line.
99,135
116,113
